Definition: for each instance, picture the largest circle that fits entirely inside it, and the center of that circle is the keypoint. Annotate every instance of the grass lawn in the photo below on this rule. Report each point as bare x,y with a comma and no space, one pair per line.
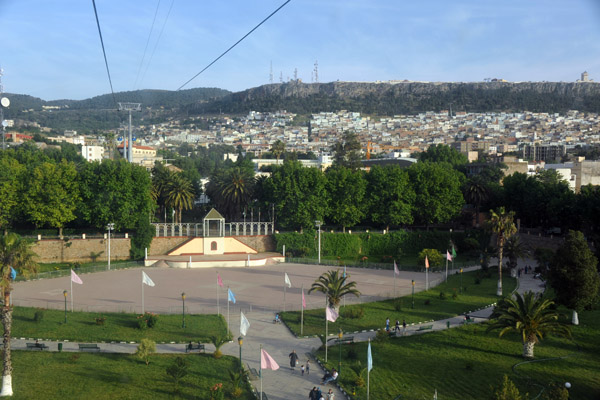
48,267
45,375
463,363
473,296
81,326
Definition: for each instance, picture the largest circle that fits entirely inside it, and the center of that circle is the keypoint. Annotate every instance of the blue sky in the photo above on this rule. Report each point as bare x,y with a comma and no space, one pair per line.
51,49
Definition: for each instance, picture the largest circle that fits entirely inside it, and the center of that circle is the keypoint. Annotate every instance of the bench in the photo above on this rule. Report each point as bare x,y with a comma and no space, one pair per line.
192,347
88,347
425,327
253,373
345,339
37,346
469,321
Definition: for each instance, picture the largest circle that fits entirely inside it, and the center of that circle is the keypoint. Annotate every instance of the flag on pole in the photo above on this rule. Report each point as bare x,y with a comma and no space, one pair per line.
331,314
453,252
448,256
267,362
13,273
287,280
146,280
303,299
369,358
230,296
426,262
219,280
75,278
244,324
396,268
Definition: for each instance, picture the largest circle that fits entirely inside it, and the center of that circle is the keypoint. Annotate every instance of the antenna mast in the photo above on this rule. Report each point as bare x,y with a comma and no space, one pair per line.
271,73
316,71
128,152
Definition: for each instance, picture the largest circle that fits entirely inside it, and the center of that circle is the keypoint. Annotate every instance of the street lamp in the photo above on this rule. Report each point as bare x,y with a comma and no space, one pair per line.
183,309
318,224
340,335
110,227
240,341
461,280
413,294
65,294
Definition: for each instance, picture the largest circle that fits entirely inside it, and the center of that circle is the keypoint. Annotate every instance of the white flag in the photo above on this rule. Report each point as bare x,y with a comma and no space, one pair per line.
244,324
331,314
74,278
146,279
287,280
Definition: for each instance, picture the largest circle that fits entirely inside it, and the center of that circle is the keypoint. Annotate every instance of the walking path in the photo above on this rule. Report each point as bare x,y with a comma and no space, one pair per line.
285,383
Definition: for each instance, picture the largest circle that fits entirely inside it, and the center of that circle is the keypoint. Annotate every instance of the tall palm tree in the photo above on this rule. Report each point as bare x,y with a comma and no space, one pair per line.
531,316
179,194
476,193
514,249
278,149
334,286
231,190
502,224
14,254
161,177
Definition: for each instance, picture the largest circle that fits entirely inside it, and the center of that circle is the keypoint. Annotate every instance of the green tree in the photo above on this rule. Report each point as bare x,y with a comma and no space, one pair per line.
437,188
434,257
11,172
335,286
278,148
179,194
51,194
231,190
476,193
145,349
573,274
507,391
442,153
346,190
390,196
177,371
502,224
514,249
530,315
346,152
15,253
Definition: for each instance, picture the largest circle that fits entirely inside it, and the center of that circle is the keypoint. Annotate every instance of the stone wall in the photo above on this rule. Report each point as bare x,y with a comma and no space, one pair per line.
533,241
261,244
162,245
80,250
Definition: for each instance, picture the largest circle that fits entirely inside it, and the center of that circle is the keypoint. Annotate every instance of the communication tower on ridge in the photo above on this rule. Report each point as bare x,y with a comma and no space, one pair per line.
128,152
271,73
295,74
316,71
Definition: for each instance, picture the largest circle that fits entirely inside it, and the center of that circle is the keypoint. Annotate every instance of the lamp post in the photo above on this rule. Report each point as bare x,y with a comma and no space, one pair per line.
110,227
240,341
340,335
183,309
318,224
413,294
461,280
65,294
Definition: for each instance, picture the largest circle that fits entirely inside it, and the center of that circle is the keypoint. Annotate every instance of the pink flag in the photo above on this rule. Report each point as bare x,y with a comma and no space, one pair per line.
303,299
331,314
396,268
426,262
219,280
266,361
75,278
448,256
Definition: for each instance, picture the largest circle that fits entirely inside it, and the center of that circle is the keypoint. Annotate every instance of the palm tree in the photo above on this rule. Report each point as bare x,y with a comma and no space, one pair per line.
334,286
14,254
278,149
531,316
514,249
476,193
231,190
179,194
502,224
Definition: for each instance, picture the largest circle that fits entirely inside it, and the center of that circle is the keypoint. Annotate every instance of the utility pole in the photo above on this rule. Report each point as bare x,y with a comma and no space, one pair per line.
128,151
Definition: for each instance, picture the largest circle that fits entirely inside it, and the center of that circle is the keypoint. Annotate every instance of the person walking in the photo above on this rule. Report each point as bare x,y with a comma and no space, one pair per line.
330,395
403,327
387,324
293,359
397,327
307,367
313,394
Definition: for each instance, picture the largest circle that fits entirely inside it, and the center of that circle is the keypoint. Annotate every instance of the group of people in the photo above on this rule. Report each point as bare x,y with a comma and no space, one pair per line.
316,394
397,327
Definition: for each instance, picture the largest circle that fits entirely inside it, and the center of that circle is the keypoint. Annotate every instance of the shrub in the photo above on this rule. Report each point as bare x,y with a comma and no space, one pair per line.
506,391
216,392
454,295
147,320
427,302
177,371
353,312
100,320
398,305
382,336
442,296
38,316
144,349
434,258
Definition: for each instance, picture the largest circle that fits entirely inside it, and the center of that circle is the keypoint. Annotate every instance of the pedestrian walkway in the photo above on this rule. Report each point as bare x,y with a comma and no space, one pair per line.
286,383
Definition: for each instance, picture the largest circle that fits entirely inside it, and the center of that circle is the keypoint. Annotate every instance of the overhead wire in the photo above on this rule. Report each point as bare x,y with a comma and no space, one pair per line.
157,41
235,44
146,47
104,52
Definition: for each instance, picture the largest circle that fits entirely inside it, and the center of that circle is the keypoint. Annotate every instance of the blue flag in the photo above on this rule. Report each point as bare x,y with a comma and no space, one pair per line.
230,296
13,273
369,358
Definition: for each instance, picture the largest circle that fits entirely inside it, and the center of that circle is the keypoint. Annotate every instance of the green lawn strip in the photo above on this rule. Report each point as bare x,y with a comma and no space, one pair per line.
82,327
48,267
463,363
116,376
473,296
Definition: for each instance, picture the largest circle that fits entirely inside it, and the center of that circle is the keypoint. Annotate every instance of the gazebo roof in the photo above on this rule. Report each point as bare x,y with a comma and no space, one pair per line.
214,214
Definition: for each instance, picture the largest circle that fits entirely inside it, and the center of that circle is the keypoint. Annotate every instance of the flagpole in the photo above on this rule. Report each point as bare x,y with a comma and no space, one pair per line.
344,297
302,313
394,272
446,264
284,285
426,278
228,308
218,310
326,327
260,371
71,293
368,375
142,292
